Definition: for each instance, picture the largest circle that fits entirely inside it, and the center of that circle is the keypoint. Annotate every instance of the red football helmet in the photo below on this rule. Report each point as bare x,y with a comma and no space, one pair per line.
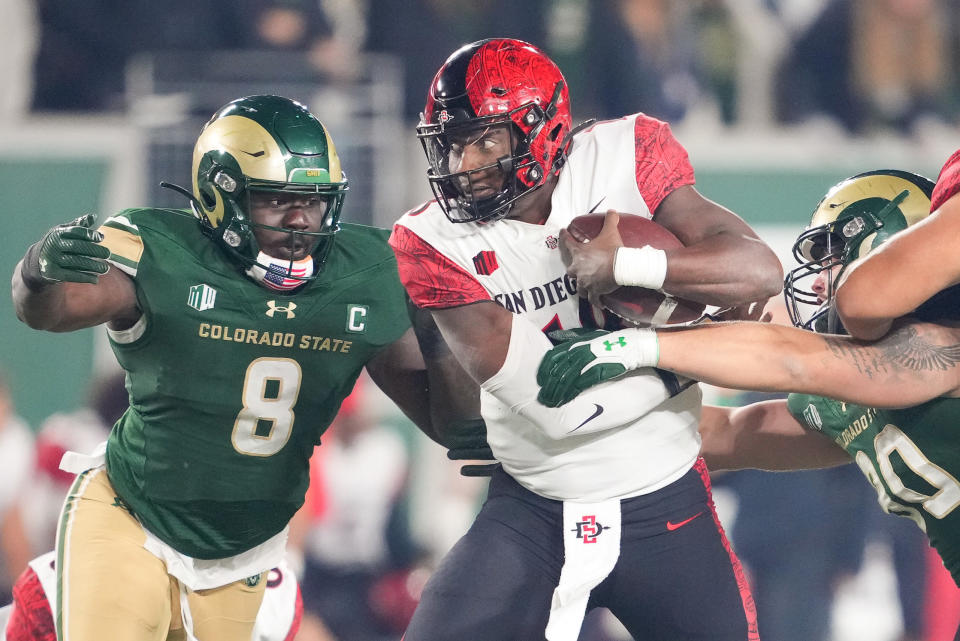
487,84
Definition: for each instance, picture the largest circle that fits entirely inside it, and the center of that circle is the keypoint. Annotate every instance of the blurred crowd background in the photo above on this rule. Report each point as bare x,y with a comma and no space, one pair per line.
869,65
776,100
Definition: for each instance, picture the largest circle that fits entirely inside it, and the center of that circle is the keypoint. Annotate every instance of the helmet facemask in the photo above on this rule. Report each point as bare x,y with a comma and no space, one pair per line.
456,191
819,251
268,145
238,232
854,218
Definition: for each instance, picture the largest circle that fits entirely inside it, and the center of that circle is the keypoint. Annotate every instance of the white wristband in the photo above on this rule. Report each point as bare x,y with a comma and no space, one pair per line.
640,267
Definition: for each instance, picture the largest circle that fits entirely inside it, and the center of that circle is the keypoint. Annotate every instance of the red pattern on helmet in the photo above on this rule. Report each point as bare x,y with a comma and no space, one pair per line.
662,162
432,280
948,183
520,73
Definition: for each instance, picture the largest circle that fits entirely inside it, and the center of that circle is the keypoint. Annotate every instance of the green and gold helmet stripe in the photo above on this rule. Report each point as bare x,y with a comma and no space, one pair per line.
252,147
888,184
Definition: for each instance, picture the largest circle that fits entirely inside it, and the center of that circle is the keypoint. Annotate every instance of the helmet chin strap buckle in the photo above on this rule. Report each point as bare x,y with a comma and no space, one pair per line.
225,181
231,238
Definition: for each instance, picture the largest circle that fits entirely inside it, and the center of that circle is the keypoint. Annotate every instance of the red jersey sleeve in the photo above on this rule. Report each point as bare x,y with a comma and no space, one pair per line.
662,164
948,184
432,280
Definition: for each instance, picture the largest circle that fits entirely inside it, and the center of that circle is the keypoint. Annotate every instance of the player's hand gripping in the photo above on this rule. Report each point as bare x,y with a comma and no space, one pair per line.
66,253
591,263
573,366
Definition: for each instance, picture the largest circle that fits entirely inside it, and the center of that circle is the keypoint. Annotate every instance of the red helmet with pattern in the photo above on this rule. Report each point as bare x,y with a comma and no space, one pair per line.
483,85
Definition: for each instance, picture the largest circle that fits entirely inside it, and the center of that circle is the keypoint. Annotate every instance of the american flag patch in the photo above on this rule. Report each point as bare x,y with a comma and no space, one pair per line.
485,263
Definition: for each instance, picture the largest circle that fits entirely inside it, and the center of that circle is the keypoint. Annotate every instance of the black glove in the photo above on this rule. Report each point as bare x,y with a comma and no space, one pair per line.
466,440
66,253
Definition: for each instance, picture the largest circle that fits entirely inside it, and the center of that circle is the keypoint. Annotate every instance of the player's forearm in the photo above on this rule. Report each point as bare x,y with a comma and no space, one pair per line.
763,436
871,295
724,269
884,285
453,395
39,308
454,398
67,306
910,365
743,355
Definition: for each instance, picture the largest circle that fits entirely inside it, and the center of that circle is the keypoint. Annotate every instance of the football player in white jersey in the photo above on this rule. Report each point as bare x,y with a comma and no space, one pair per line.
30,618
603,502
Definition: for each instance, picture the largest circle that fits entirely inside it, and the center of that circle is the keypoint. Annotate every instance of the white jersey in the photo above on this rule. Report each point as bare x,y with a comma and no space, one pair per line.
629,165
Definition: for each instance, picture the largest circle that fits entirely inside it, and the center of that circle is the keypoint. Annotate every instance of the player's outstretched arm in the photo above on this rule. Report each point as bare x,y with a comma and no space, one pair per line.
901,274
399,371
64,282
438,397
454,398
913,364
501,351
763,436
723,262
454,395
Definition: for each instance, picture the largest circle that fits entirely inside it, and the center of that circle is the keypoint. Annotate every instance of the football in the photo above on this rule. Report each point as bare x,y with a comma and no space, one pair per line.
638,305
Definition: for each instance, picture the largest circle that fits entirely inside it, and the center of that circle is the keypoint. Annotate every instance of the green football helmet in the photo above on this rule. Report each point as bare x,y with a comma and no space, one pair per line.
854,217
266,144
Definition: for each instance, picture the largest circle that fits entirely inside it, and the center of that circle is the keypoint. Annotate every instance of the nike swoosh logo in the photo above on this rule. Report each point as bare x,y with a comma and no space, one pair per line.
594,208
255,154
595,414
676,526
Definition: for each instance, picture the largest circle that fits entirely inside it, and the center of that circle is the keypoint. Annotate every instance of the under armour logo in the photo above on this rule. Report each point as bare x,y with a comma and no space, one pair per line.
588,529
286,309
621,341
444,117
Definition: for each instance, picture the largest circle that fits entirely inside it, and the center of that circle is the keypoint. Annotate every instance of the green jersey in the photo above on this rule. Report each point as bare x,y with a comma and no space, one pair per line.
909,455
232,384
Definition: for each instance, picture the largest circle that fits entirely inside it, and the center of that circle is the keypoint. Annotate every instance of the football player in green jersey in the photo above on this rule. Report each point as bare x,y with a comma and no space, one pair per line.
898,399
242,324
